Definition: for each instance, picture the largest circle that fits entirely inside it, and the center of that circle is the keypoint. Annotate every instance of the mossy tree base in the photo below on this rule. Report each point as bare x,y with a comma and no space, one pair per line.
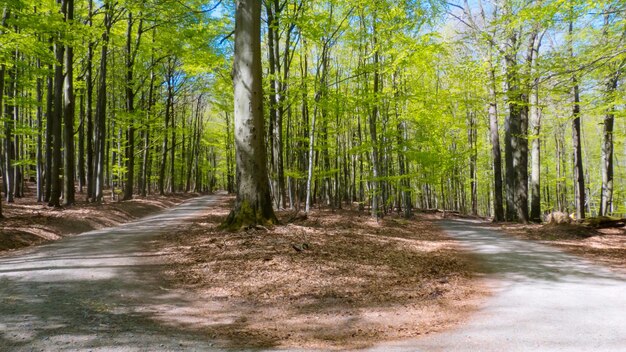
246,214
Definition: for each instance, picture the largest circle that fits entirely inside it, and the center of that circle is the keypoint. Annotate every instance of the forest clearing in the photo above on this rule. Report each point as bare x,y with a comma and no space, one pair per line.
312,175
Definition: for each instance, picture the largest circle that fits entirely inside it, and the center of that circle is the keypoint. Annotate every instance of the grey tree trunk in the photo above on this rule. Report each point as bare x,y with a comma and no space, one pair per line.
9,146
496,154
579,176
39,153
309,179
100,140
511,133
56,120
130,104
535,157
254,204
48,146
373,132
89,111
69,104
5,15
606,197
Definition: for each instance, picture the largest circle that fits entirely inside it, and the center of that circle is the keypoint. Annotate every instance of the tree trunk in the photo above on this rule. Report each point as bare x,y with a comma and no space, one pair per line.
579,176
498,211
89,107
253,205
606,197
9,146
68,113
48,146
5,15
168,107
230,177
130,106
473,144
535,156
56,120
101,105
39,153
372,128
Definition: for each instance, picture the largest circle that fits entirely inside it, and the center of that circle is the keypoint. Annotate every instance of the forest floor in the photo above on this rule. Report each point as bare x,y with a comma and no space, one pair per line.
28,222
335,280
603,246
172,282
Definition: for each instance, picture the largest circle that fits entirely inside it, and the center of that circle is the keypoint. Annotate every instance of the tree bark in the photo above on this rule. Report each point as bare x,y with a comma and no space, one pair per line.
511,132
253,205
535,156
130,105
606,197
101,105
373,129
68,114
496,154
89,111
579,176
5,15
56,121
39,153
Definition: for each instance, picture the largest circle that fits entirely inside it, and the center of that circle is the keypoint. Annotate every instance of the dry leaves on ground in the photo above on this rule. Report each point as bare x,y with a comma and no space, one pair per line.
335,280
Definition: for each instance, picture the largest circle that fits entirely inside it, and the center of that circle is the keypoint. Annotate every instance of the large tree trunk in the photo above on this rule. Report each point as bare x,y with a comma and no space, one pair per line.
68,113
516,151
253,205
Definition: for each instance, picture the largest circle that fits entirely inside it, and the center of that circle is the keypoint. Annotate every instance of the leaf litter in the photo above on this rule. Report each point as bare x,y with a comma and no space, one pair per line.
336,279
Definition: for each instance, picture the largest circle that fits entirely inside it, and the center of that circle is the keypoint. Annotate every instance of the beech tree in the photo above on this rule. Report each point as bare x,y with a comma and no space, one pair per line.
254,204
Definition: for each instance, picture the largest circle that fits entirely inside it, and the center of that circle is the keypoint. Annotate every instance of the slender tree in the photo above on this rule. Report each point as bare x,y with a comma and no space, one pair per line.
68,113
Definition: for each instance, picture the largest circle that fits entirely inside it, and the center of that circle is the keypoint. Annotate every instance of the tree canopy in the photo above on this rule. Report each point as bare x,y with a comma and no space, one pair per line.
509,109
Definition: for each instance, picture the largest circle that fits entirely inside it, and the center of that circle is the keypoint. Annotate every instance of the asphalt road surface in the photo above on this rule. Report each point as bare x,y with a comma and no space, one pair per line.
100,291
545,300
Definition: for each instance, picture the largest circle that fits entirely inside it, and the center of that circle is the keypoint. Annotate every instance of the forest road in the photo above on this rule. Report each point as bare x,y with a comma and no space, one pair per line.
101,291
98,291
544,300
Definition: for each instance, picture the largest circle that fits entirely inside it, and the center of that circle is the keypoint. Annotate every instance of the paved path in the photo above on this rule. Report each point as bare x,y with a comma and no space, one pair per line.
100,291
546,301
94,292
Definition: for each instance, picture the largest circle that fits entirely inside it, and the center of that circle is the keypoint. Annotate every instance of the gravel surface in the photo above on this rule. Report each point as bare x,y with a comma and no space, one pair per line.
545,300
